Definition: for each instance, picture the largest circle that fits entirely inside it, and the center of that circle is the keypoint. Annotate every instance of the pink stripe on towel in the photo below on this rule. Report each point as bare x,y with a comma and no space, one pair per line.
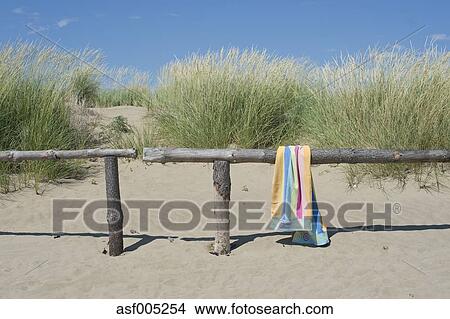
299,196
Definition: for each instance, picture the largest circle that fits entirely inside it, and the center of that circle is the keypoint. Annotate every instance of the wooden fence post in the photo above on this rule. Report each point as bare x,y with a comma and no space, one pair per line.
114,214
222,187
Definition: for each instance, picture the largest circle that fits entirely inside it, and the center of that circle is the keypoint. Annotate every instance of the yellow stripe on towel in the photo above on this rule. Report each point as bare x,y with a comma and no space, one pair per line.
306,180
278,184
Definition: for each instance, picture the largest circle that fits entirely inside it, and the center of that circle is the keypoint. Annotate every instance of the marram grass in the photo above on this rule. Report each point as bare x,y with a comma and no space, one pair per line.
399,99
125,86
230,97
35,87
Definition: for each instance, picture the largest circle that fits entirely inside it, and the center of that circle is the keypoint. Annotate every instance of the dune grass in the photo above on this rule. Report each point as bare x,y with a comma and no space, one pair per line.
85,86
137,138
231,97
35,84
124,86
134,96
398,99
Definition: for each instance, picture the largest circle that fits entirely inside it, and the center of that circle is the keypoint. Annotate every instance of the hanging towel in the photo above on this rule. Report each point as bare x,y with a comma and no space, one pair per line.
294,205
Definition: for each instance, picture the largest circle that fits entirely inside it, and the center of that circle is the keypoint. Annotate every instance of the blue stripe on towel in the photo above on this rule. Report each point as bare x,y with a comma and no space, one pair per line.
286,216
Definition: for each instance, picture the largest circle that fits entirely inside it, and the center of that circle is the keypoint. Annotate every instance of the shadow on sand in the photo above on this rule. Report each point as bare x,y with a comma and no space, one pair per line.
238,240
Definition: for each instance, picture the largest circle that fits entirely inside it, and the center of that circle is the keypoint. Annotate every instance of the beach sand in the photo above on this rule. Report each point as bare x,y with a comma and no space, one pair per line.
409,261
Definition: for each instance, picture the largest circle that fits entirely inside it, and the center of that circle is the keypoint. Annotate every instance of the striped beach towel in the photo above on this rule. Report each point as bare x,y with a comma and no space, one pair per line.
294,205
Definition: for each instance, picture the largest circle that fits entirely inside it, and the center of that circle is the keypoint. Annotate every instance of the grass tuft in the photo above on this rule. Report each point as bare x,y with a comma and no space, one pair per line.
230,97
129,87
398,99
85,86
34,113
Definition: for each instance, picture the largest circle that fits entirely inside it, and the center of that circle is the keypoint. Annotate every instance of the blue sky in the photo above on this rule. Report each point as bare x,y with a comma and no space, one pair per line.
148,34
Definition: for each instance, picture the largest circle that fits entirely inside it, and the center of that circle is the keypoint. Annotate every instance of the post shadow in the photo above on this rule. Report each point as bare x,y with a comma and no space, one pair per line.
238,240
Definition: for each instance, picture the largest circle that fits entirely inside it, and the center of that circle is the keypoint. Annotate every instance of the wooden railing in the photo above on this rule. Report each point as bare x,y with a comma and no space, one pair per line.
318,156
114,209
221,174
15,156
223,157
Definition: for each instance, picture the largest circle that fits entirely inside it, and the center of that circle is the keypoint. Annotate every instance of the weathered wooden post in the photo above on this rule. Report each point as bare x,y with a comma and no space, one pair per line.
114,209
222,187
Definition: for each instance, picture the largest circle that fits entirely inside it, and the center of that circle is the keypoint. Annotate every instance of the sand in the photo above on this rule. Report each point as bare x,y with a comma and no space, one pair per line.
410,261
135,115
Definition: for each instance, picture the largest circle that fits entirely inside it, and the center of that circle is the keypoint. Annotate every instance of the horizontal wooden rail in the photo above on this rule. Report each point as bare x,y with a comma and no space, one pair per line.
72,154
318,156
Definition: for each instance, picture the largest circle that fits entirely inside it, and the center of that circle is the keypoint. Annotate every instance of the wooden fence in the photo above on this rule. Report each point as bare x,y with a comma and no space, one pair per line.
114,213
221,159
